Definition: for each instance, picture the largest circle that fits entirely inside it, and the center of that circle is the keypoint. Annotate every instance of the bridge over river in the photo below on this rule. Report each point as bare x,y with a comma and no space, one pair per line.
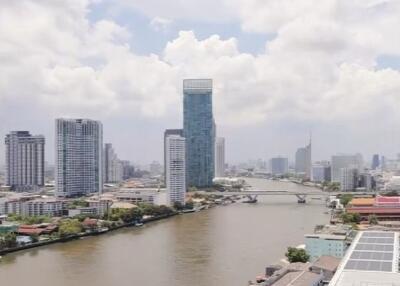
252,194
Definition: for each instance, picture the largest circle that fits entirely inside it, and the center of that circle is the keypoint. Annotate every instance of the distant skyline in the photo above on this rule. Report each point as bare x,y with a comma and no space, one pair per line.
280,70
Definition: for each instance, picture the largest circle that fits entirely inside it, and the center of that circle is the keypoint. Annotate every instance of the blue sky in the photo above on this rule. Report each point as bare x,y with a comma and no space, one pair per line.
146,40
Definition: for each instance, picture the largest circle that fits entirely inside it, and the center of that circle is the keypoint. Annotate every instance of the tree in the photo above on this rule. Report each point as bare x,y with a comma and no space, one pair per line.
8,240
178,206
345,199
373,219
297,255
189,205
192,189
350,218
69,227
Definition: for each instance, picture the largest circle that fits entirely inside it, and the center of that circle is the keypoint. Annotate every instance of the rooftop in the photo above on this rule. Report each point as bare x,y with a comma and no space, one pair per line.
362,201
326,262
372,259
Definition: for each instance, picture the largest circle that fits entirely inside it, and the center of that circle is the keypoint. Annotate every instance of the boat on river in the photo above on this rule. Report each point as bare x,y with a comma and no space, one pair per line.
250,201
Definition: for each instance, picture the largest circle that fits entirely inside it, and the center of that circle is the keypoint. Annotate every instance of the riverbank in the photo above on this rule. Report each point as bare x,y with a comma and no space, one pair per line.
81,235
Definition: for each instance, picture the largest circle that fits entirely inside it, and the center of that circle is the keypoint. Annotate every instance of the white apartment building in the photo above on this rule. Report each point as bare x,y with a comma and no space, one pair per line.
113,167
220,157
47,207
348,179
175,169
24,160
79,148
344,161
31,207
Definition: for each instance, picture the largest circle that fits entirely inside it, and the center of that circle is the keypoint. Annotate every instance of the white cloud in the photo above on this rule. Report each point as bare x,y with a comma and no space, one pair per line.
321,66
160,24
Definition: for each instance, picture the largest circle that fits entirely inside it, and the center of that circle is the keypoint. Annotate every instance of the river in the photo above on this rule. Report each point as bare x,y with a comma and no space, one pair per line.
223,246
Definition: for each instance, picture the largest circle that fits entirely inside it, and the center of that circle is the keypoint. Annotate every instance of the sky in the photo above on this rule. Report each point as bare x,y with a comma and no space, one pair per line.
282,69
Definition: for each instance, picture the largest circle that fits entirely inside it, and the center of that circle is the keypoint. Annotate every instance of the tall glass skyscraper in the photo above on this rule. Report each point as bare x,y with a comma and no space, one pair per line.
79,148
199,131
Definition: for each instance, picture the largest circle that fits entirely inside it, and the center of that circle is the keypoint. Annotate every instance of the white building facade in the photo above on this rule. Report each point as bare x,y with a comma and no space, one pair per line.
24,160
113,167
220,157
344,161
348,179
79,145
175,169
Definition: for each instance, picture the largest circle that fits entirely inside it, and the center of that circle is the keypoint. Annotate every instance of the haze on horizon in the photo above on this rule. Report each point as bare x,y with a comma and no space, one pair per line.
281,69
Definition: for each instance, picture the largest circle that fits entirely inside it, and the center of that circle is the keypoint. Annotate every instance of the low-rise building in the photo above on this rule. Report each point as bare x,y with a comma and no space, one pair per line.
372,259
385,208
88,211
102,205
46,207
138,195
302,274
328,240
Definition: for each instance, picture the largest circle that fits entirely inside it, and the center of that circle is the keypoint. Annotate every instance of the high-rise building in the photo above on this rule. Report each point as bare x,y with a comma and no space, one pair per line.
128,170
79,148
344,161
303,161
279,165
375,162
365,181
113,167
321,172
220,157
168,132
348,179
24,160
175,171
199,131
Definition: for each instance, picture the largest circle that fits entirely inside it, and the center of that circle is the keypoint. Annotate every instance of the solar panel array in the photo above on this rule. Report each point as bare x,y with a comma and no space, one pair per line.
373,252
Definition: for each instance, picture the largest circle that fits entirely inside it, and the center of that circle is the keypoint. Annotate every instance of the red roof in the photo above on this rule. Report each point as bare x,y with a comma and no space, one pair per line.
374,210
382,201
90,222
29,230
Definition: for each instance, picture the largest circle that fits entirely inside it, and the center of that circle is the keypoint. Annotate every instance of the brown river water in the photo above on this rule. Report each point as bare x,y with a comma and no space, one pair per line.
222,246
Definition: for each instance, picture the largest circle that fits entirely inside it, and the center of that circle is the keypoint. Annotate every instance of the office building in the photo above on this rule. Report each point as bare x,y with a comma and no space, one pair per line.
375,162
303,161
279,165
321,172
365,182
24,160
348,179
199,131
176,170
128,170
344,161
372,259
79,148
113,167
220,157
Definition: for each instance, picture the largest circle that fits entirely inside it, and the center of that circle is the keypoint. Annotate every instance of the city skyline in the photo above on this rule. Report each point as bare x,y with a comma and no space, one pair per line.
188,142
265,77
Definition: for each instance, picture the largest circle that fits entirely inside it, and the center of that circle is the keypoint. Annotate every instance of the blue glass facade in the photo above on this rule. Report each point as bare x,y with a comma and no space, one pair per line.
199,131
